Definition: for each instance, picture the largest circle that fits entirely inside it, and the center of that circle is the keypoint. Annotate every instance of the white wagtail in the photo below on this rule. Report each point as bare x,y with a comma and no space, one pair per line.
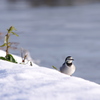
68,67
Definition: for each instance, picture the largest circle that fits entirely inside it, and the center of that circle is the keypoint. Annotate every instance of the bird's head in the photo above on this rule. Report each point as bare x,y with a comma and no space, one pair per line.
69,59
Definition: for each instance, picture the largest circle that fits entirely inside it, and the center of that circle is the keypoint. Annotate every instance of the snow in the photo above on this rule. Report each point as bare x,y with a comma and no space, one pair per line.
24,82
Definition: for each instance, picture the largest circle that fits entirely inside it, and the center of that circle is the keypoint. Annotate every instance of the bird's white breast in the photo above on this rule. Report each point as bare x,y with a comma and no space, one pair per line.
69,70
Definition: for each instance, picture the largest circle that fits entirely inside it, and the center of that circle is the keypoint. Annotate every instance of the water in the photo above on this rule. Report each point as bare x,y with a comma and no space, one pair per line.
53,33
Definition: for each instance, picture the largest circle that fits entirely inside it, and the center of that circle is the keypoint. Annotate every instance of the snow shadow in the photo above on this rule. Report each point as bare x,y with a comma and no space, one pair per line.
3,73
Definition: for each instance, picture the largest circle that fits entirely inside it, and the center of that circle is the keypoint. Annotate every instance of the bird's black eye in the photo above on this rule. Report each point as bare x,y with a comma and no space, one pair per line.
71,59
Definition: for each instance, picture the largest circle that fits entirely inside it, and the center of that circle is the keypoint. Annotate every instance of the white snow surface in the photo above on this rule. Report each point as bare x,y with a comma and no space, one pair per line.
24,82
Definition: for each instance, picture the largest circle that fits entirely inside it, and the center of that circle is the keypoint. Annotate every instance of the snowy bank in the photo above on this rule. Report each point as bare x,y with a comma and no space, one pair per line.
24,82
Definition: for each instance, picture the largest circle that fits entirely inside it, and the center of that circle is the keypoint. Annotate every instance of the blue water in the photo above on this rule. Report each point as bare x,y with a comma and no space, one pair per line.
51,34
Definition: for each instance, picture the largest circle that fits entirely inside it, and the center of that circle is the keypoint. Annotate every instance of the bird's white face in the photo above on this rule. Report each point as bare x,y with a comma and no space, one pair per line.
69,61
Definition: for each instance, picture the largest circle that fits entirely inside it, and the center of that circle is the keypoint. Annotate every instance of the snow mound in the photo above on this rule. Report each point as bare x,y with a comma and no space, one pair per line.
24,82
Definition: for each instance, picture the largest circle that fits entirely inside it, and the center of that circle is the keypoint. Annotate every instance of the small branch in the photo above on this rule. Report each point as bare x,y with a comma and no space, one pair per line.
7,44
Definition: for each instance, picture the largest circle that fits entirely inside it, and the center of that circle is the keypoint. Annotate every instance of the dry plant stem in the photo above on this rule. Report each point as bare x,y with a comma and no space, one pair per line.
7,44
24,58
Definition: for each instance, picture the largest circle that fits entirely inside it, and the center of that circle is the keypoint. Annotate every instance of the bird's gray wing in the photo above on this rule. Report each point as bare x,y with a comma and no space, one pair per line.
62,67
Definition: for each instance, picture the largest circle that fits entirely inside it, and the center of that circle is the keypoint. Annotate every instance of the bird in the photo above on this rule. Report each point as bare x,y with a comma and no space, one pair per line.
68,67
